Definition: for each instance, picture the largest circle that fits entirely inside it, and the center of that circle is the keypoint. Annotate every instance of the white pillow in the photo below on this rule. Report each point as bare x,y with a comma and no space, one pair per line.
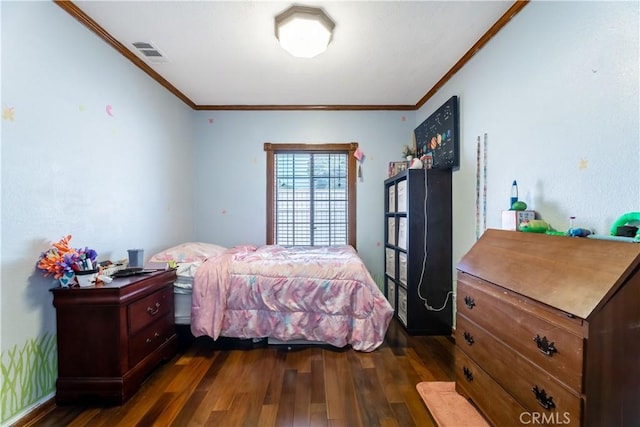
189,252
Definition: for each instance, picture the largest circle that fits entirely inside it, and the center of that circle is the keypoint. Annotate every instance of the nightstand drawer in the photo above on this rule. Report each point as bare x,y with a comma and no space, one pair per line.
149,339
145,311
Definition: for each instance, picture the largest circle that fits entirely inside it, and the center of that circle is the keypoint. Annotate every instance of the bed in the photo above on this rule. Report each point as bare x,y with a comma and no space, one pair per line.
318,294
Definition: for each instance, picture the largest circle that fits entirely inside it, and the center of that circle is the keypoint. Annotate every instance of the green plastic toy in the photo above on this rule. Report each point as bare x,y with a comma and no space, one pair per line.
534,226
624,220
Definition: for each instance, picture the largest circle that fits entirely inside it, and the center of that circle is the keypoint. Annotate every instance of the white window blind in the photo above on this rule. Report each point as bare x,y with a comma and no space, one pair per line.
311,198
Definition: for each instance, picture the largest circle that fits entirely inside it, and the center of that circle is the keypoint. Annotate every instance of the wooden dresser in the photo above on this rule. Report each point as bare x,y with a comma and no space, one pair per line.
548,330
111,336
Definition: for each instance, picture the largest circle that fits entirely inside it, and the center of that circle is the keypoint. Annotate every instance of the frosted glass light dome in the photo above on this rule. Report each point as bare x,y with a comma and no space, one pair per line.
304,31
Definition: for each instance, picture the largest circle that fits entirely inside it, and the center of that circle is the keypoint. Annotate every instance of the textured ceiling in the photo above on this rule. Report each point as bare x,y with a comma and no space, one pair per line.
224,53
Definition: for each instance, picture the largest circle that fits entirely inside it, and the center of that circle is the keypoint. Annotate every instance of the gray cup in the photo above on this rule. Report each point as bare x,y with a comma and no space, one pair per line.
136,257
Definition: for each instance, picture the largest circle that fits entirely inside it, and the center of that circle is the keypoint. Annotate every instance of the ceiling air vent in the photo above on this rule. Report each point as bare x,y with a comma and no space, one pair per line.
150,52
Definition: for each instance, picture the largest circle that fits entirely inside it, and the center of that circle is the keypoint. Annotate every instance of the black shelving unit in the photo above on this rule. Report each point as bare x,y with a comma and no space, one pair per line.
417,224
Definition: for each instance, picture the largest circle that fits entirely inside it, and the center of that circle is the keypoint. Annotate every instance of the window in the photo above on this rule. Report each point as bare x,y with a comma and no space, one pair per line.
311,194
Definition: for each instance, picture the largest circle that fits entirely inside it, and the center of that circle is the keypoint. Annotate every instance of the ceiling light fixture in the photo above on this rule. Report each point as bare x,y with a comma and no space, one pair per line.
304,31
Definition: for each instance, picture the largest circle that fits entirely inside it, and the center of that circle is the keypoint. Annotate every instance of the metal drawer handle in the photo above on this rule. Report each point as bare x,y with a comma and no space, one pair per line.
154,310
155,335
469,302
467,373
545,346
468,338
541,396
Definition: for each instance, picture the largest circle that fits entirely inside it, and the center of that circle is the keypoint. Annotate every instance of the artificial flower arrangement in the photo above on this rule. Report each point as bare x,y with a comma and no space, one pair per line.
62,259
408,151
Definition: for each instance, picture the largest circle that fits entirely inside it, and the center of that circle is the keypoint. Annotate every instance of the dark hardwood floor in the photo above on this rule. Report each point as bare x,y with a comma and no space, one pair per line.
241,383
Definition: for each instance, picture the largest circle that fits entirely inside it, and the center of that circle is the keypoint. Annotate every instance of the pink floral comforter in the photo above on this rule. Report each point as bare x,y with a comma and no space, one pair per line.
313,293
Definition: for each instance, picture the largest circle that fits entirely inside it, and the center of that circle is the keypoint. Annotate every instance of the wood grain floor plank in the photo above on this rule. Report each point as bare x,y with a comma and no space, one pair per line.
256,385
251,405
228,383
302,401
318,415
415,405
287,399
219,379
183,389
153,417
332,373
268,414
215,418
85,418
353,413
318,393
142,402
422,372
385,371
300,360
239,410
390,422
63,418
372,405
367,360
184,416
403,416
274,390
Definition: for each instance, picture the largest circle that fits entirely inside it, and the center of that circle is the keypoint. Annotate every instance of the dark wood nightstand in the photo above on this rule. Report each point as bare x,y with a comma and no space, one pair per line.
111,336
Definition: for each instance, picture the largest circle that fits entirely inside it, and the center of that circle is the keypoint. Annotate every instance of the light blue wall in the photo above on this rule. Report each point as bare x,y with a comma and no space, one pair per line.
231,167
560,114
556,92
68,167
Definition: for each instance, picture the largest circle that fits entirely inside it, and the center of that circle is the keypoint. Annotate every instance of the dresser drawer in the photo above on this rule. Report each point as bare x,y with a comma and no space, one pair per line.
547,338
146,310
475,384
149,339
517,375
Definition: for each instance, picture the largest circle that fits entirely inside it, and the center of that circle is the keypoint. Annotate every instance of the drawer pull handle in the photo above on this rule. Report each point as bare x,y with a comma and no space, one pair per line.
469,302
467,373
468,338
154,310
148,340
545,346
155,334
541,396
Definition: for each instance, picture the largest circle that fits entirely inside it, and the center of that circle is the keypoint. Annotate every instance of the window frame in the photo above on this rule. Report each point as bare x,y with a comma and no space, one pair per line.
348,148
